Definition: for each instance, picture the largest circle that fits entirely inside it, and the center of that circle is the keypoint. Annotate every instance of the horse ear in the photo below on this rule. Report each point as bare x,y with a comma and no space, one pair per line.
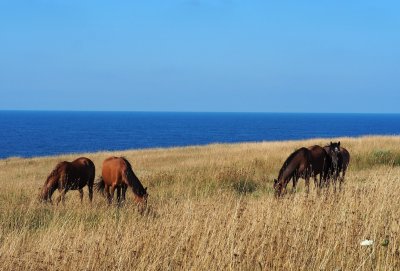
145,189
338,143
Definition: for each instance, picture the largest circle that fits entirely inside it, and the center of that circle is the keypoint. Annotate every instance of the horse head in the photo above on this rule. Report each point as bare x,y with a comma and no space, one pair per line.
334,150
141,199
43,195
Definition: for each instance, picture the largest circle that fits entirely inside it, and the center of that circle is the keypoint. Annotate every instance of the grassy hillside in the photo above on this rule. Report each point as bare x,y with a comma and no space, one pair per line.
210,207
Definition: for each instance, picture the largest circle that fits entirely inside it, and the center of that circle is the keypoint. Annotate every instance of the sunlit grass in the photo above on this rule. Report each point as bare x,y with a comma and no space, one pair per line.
210,207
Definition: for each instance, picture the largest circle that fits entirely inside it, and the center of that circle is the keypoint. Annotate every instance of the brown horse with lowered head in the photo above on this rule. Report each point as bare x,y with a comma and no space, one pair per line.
69,176
320,164
296,165
117,174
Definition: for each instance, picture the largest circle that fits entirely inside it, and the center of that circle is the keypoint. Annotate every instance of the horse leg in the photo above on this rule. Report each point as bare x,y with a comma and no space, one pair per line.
119,195
294,184
81,195
335,179
318,186
307,178
113,187
90,186
62,187
342,179
316,180
61,197
109,198
328,179
321,177
124,188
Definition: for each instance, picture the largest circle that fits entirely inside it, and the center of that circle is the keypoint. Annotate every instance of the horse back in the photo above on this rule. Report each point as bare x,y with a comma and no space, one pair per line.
114,168
83,162
82,168
319,158
317,152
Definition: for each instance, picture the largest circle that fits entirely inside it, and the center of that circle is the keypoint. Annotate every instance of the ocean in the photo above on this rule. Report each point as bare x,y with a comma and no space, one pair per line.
41,133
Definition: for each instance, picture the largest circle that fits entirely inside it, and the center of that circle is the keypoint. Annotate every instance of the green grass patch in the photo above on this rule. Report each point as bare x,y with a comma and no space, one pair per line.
385,157
244,187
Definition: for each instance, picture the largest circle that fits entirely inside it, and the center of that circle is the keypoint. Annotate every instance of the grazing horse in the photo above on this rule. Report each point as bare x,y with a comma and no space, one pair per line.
69,176
117,174
333,150
320,164
296,165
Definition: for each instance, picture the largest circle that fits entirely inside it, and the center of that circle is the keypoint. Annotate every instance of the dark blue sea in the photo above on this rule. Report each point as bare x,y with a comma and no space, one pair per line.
36,133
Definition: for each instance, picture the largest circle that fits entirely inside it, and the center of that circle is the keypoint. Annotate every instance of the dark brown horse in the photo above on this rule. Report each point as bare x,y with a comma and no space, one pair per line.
117,174
296,165
333,150
320,164
340,162
69,176
343,163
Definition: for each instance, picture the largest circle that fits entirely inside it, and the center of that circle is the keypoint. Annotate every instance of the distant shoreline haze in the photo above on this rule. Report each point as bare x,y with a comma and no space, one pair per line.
41,133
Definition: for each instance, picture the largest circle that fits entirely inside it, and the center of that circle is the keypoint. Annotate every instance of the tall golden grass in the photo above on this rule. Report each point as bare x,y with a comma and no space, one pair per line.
210,208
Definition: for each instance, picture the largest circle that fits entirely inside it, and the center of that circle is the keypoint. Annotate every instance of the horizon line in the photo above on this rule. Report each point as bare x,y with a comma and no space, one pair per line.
211,112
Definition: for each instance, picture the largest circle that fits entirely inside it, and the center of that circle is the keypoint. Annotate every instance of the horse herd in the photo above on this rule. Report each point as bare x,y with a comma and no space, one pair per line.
117,174
328,162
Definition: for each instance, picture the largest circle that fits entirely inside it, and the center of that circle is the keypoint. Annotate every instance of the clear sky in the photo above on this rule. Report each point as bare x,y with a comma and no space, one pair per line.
200,55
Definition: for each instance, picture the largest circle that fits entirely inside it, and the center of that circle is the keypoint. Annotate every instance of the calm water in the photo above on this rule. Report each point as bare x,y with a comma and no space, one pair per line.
24,133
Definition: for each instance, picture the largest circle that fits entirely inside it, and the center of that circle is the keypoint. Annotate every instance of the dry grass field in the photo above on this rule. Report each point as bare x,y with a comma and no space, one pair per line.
210,208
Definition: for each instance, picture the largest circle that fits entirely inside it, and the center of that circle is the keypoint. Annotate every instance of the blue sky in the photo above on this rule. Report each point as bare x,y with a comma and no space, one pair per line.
200,55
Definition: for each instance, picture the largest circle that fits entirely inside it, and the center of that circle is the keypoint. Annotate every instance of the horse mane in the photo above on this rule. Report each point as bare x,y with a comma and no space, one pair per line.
53,174
133,180
288,160
127,163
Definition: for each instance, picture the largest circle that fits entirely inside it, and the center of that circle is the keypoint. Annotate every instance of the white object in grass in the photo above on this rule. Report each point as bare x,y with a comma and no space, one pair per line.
367,242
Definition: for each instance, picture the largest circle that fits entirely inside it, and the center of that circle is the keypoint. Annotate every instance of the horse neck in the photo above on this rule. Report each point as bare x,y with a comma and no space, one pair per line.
52,181
288,171
134,182
49,188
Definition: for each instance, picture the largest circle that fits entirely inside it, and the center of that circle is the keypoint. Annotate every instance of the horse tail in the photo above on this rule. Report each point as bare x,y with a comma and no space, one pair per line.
100,185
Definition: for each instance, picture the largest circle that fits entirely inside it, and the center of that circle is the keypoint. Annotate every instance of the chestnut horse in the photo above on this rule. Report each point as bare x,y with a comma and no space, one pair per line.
117,174
340,161
69,176
297,165
320,164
